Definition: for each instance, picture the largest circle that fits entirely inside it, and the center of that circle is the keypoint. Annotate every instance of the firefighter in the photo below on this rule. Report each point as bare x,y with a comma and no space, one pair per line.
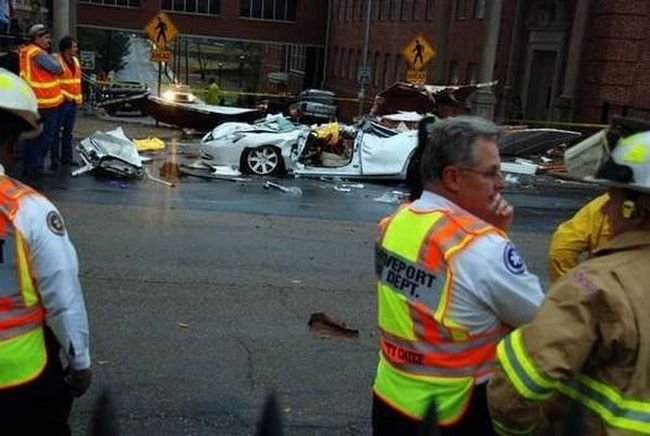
585,232
42,311
450,286
589,341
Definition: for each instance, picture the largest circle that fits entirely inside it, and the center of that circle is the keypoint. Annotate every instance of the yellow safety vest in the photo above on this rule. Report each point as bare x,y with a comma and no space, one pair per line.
45,84
23,355
425,355
71,80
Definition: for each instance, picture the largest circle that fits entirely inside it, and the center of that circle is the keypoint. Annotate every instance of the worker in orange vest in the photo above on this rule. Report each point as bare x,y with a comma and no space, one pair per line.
42,310
450,285
61,151
41,71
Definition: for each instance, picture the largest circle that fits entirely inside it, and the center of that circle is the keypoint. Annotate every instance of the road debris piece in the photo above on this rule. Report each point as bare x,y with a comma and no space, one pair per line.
149,144
157,180
392,197
325,324
207,174
291,190
183,325
110,152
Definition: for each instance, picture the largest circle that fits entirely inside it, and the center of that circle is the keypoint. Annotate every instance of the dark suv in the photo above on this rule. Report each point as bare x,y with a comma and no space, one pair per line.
317,105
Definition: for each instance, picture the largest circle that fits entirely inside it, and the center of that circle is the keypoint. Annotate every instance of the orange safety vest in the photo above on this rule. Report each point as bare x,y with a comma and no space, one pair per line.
425,355
45,84
71,80
23,355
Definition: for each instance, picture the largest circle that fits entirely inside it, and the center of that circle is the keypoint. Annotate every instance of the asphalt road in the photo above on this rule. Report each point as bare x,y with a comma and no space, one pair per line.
199,297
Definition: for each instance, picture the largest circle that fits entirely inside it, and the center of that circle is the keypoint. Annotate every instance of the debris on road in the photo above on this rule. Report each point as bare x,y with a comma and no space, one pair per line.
157,180
292,190
392,197
325,324
149,144
110,152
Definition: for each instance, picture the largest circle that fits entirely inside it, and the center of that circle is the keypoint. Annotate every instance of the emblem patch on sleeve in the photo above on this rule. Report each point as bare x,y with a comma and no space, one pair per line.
55,223
512,260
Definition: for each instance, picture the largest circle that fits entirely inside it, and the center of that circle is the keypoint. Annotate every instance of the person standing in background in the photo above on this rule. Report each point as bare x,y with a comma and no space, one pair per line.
72,98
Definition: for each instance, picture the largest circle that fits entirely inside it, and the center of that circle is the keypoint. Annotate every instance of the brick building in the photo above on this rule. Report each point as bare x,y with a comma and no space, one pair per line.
581,60
281,40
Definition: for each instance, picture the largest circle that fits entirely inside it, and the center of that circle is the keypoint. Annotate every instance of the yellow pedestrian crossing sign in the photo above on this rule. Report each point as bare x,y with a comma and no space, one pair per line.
418,52
161,30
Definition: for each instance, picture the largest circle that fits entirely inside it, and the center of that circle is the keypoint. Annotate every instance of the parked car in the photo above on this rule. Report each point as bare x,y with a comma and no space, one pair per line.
317,106
261,148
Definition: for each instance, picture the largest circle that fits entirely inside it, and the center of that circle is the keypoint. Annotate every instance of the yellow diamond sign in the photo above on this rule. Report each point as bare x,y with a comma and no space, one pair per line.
161,30
418,52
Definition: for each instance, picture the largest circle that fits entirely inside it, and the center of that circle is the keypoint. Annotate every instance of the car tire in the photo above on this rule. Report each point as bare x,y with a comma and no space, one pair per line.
265,160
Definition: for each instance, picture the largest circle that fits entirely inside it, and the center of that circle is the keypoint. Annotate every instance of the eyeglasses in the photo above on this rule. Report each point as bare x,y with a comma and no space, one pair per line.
492,174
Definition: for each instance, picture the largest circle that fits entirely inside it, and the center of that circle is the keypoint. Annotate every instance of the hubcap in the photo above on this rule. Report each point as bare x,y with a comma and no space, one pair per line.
263,160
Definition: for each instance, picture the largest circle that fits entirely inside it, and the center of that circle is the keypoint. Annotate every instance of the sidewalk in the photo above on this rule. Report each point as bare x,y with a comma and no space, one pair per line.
134,127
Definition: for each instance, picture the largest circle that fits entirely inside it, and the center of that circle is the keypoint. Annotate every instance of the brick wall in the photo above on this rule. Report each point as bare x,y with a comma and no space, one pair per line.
617,60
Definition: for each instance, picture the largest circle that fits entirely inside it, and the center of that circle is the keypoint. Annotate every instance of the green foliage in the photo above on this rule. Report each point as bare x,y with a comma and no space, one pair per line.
110,47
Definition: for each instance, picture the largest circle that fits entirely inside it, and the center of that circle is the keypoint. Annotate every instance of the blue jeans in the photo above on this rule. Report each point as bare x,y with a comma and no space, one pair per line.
63,143
36,149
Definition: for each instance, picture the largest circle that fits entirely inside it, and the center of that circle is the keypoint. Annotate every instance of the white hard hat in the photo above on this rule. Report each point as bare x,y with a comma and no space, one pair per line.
629,164
16,97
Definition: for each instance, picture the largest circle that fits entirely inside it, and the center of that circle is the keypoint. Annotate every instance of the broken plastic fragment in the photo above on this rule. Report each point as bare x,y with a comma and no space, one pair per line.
292,190
327,325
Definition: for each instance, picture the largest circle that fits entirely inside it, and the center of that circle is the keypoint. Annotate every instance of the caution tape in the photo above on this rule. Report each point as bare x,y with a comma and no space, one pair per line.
556,123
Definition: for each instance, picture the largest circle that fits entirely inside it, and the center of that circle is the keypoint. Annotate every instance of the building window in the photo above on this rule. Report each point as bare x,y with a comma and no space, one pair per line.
363,10
349,66
375,69
342,62
391,10
430,10
398,61
297,58
120,3
453,72
403,7
334,67
210,7
416,10
359,64
342,4
385,77
381,12
461,9
348,11
479,9
274,10
472,73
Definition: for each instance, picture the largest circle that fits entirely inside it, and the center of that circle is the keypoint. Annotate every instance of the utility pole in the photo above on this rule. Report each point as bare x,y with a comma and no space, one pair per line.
60,21
365,73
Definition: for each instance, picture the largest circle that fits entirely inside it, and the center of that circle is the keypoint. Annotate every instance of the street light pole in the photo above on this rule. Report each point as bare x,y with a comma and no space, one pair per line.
364,76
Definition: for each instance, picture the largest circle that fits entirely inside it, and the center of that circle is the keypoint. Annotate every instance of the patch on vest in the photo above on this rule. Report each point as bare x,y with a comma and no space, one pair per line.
513,261
55,223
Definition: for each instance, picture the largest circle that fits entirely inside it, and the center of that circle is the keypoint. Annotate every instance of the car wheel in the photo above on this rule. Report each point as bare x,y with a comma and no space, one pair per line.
263,161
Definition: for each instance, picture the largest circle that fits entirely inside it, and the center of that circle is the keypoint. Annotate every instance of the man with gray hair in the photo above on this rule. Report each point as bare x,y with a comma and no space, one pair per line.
450,285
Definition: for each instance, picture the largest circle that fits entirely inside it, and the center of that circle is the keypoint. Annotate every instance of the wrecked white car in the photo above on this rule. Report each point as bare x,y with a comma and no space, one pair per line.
261,148
110,152
375,152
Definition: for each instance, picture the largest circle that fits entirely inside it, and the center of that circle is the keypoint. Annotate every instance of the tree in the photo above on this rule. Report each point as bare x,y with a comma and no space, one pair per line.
110,46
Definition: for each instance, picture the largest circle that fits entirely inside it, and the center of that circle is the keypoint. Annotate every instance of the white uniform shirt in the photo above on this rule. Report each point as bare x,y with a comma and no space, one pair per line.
55,271
491,282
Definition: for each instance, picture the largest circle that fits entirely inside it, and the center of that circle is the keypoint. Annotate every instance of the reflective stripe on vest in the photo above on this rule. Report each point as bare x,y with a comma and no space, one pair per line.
71,80
45,84
611,405
22,344
426,355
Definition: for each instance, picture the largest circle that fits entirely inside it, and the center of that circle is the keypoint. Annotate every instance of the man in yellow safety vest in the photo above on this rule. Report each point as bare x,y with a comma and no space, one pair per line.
61,151
450,286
